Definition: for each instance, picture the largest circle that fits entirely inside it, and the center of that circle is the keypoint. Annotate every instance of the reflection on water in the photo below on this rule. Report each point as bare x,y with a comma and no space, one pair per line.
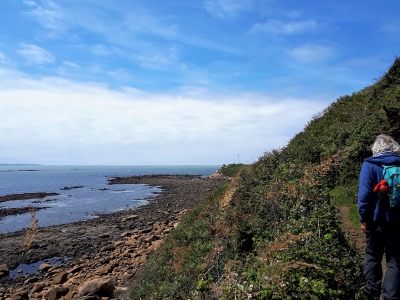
24,269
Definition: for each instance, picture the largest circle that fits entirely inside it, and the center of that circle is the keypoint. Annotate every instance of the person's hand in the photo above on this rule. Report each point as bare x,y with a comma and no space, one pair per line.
364,227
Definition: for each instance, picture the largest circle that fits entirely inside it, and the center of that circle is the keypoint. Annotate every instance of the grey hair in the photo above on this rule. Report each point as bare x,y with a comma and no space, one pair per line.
384,143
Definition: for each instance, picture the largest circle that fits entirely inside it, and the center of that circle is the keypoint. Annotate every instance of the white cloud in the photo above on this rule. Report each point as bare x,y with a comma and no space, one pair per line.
29,3
4,59
141,21
101,50
310,53
61,121
277,26
35,54
227,8
49,15
71,64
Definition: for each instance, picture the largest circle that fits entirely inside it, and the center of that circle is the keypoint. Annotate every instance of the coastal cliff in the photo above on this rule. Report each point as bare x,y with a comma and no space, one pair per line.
285,226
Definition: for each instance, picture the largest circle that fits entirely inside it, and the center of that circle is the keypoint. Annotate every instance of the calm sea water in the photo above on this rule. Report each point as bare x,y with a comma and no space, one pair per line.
95,196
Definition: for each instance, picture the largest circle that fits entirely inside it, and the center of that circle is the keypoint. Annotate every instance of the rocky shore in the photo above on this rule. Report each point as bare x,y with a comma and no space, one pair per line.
97,257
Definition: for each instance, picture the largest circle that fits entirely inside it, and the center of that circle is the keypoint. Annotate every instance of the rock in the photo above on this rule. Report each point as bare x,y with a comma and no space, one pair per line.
87,298
60,278
53,269
22,295
37,287
126,278
146,230
45,267
108,247
75,269
100,287
4,271
129,218
104,235
156,244
30,280
56,293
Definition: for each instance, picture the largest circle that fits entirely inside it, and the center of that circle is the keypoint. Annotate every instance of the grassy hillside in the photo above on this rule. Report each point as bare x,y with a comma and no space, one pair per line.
274,232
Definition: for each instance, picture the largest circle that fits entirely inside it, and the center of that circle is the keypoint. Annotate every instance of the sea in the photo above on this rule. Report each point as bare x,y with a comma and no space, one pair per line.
84,192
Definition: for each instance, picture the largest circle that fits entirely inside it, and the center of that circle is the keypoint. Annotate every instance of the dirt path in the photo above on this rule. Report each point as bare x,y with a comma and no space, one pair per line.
355,234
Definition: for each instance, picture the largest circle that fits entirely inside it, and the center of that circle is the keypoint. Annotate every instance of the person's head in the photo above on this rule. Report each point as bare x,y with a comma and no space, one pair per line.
384,143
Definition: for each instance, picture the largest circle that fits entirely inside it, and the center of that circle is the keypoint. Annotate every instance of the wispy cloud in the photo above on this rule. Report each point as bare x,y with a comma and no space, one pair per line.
141,21
227,8
101,50
4,60
310,53
35,55
49,15
279,27
70,64
29,3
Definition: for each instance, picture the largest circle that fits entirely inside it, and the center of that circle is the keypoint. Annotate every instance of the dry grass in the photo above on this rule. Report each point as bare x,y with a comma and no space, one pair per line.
32,231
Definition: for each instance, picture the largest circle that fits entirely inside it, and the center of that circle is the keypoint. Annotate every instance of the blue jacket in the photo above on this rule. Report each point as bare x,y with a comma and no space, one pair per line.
371,206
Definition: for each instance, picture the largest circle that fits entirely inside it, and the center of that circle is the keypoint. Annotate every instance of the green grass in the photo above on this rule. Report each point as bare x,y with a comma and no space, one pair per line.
231,170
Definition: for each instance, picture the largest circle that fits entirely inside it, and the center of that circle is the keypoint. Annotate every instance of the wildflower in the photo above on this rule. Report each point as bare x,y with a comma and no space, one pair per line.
249,296
251,287
266,277
235,274
282,284
240,287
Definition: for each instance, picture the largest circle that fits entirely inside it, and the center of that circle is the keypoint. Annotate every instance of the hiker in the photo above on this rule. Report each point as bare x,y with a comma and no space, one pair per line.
380,219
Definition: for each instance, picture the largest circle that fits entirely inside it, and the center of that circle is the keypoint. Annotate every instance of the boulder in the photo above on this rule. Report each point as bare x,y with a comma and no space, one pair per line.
104,235
56,293
21,295
37,287
45,267
4,271
60,278
30,280
108,247
100,287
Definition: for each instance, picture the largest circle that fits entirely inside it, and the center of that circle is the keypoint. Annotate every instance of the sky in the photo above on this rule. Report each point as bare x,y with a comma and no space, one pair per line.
178,82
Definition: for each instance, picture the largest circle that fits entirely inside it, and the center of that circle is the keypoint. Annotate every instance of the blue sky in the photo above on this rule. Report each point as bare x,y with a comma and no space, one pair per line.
179,82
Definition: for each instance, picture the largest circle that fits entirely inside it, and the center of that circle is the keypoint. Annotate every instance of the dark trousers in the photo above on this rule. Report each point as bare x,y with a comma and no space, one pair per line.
383,238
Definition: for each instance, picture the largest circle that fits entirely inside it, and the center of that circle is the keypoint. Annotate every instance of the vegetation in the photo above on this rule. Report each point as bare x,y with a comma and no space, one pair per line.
274,232
231,170
32,232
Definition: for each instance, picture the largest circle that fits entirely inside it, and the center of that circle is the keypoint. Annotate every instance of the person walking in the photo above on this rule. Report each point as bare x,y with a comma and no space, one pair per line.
380,222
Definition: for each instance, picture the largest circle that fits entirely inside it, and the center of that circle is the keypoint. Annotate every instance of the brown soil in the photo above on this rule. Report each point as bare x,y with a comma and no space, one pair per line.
355,234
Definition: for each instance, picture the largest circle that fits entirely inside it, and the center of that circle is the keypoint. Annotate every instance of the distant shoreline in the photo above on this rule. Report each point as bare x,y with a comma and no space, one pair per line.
6,165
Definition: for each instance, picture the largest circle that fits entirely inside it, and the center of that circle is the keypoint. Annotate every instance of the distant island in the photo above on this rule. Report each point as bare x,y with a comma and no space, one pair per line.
19,165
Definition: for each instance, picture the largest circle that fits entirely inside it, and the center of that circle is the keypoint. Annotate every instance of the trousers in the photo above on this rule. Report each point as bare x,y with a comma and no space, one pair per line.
384,238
